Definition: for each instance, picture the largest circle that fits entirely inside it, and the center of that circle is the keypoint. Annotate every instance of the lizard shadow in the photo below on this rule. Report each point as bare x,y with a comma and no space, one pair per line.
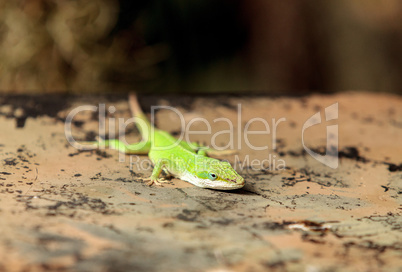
240,191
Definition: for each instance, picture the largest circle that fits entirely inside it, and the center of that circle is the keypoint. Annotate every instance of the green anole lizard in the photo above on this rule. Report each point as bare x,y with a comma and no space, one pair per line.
188,162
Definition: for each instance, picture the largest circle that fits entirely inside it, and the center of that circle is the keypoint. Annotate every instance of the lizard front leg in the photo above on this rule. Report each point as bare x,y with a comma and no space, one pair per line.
160,164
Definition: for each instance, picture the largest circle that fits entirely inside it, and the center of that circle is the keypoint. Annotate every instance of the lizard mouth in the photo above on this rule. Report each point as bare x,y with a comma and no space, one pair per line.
235,186
225,186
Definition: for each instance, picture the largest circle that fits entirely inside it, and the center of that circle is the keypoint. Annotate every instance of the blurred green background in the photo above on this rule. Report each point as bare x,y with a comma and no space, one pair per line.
237,46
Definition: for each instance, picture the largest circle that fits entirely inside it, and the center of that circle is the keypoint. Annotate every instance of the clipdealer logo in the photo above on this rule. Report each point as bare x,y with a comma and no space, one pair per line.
330,158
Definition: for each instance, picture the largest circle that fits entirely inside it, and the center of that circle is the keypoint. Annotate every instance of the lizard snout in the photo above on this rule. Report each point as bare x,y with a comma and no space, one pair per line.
239,182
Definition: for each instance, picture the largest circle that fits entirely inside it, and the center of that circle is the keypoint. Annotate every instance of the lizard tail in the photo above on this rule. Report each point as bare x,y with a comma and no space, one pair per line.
143,124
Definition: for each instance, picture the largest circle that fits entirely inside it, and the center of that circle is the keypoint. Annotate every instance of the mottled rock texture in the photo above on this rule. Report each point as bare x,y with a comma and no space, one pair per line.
62,209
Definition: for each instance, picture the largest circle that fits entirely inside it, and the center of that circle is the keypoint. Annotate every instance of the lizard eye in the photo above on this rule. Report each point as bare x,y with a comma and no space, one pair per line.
212,176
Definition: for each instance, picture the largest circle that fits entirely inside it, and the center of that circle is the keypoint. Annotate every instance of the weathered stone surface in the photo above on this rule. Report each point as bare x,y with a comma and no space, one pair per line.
65,209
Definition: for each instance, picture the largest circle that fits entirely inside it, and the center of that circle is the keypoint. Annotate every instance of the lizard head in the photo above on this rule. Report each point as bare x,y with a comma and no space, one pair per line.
216,174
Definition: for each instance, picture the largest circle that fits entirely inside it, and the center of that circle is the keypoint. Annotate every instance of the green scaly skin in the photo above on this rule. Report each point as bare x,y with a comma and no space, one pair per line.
188,162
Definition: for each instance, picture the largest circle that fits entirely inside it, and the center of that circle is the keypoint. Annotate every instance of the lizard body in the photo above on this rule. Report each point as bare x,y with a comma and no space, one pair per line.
178,158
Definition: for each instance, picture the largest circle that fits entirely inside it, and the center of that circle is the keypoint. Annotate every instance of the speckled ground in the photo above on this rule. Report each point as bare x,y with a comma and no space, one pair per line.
62,209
